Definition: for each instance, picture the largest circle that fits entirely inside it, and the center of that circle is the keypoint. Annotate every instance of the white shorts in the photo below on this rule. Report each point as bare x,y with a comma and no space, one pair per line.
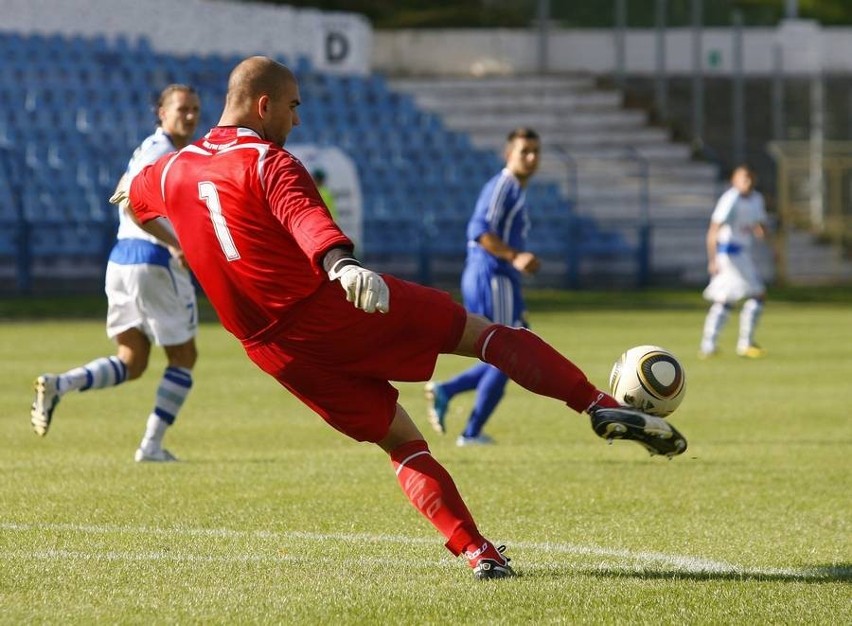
737,278
159,301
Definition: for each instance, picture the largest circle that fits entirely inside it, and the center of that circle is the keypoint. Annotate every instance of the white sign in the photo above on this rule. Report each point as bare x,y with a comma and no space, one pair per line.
342,44
341,178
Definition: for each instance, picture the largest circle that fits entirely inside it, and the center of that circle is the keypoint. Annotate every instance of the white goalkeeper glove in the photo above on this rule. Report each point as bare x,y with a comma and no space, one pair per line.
365,289
121,194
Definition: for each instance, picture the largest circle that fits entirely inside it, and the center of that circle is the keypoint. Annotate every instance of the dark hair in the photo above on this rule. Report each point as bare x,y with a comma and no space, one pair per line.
521,132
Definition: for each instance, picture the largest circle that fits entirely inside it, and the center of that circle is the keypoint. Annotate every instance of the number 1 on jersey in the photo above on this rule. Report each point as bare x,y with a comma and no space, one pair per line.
207,192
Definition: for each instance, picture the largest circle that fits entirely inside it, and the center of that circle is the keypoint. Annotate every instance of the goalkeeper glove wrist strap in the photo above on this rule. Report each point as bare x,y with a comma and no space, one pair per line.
339,265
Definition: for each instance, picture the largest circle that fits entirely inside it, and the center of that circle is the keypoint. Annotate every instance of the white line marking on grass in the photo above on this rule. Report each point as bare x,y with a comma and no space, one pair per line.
681,563
628,560
114,555
218,532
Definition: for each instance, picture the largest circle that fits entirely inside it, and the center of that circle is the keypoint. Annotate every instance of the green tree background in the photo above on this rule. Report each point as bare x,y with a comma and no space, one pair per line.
574,14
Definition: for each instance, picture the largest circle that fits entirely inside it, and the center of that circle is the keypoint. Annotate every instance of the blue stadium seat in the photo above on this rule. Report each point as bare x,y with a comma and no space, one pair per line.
8,204
79,105
303,66
8,238
446,235
40,207
66,240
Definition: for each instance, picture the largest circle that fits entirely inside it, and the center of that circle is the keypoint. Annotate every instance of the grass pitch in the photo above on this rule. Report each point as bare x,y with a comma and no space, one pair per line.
273,517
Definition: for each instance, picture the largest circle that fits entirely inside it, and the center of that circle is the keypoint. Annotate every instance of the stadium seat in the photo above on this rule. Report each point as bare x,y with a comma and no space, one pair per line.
79,105
8,237
8,206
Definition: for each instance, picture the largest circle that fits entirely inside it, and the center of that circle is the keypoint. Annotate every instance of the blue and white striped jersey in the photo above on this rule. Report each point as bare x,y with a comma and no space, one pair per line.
501,210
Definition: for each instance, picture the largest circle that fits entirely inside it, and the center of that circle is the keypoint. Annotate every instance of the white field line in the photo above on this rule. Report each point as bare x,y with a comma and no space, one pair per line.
627,559
115,555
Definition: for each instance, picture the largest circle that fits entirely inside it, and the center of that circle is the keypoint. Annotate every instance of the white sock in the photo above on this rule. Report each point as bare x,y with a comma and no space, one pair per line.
715,321
749,316
100,373
154,431
172,391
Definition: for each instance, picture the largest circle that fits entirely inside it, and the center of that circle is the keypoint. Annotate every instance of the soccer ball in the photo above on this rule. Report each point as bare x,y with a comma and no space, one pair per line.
648,378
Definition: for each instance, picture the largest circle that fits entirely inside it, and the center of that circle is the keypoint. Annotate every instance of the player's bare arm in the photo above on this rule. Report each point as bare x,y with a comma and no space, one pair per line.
712,238
522,260
153,227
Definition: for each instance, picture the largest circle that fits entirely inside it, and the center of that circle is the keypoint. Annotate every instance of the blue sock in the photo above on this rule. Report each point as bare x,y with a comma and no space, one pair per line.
468,380
489,392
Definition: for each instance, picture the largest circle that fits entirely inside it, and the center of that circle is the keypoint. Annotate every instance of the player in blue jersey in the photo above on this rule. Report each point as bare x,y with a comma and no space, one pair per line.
491,281
151,299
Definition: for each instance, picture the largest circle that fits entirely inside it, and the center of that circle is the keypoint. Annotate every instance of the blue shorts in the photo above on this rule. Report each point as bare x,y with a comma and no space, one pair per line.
496,296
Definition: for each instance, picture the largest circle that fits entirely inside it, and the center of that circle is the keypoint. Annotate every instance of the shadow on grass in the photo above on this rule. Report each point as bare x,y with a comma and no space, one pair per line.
817,574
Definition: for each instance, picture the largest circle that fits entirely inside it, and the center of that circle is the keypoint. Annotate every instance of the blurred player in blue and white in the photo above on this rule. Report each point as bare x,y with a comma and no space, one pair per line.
491,281
151,298
738,219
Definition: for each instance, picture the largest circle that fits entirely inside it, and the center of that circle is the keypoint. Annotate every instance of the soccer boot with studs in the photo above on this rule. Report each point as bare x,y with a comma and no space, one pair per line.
46,398
489,562
657,435
438,404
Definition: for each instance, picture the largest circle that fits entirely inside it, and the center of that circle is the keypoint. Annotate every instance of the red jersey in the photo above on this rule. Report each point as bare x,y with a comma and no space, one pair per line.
251,223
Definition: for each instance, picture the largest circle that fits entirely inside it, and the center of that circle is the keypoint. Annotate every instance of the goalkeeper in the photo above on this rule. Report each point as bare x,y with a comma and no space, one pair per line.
284,280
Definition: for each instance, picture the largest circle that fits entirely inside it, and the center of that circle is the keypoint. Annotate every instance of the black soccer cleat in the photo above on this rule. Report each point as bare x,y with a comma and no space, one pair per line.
656,434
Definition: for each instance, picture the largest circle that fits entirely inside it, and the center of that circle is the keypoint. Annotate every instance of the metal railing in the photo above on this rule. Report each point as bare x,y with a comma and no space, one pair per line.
640,223
826,212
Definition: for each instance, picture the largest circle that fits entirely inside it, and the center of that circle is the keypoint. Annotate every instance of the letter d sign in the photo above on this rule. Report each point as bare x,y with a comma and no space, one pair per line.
336,47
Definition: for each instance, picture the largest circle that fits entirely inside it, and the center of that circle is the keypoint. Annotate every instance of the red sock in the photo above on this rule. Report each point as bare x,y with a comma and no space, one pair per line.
432,492
536,366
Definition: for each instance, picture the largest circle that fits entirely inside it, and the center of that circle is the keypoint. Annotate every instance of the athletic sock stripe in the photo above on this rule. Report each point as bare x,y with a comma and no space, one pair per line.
116,364
170,401
123,367
408,458
172,392
164,415
168,395
485,343
180,381
179,376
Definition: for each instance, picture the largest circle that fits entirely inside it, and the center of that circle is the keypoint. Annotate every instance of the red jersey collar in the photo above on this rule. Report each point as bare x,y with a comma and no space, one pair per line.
223,134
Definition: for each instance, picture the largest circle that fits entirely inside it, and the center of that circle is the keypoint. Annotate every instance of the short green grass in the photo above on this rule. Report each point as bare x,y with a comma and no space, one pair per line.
272,517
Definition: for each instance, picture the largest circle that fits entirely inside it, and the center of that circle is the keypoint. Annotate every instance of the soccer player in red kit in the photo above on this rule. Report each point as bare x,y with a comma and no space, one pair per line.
284,280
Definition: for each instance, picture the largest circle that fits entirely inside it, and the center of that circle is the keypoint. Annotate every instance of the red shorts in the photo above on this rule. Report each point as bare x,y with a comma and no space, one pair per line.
339,360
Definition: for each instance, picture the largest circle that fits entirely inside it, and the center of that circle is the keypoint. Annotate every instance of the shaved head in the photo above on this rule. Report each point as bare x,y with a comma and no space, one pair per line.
262,95
255,77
